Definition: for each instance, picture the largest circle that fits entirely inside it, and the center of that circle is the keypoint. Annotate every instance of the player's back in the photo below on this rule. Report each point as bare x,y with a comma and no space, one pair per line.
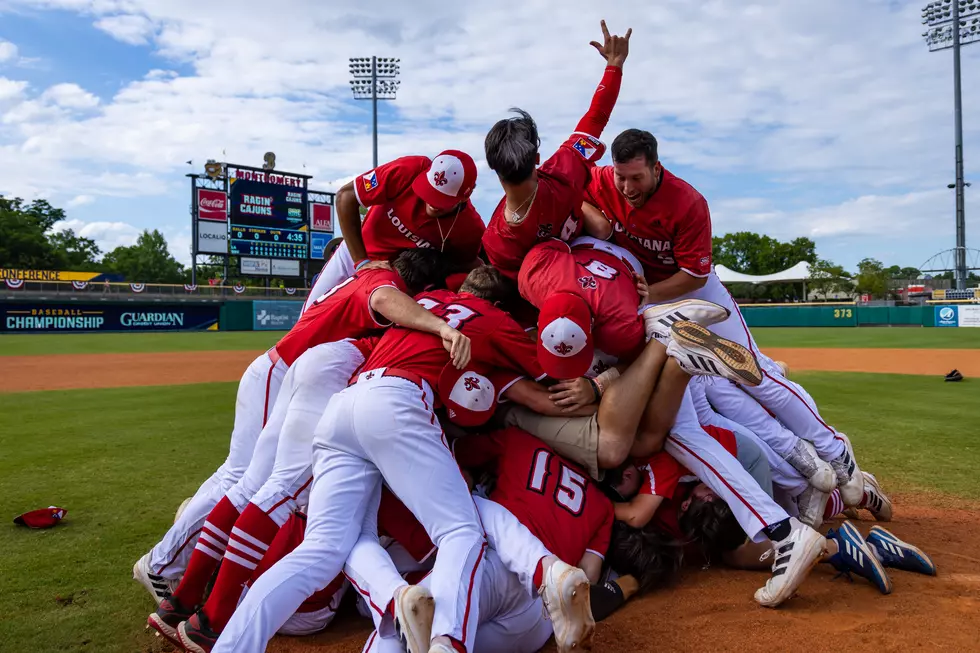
344,311
554,498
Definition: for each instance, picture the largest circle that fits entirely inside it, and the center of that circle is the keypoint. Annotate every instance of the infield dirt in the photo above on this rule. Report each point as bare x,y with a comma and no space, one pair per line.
69,371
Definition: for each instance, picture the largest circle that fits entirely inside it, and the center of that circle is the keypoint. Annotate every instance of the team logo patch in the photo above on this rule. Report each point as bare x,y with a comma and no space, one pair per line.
471,383
439,179
370,181
544,231
588,283
584,147
704,260
563,348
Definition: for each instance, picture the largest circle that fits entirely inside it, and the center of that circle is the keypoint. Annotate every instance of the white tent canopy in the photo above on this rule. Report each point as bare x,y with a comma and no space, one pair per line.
799,272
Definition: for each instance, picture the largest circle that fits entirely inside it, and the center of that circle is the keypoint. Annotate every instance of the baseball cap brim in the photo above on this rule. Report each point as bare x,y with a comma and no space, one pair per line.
424,190
575,310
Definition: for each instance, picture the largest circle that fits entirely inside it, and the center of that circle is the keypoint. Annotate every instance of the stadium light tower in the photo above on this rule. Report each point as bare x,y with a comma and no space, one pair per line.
374,79
953,23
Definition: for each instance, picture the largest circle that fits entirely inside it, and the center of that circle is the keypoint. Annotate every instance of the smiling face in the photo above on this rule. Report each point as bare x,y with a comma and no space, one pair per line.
636,179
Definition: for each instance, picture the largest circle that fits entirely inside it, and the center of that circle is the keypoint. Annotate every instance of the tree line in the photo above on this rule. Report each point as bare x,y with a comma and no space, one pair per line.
27,241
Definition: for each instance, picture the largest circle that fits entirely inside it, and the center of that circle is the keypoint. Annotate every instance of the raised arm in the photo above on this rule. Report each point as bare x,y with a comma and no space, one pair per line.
614,50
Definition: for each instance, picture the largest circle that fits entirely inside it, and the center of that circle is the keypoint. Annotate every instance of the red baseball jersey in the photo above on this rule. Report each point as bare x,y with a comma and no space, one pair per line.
555,211
396,217
662,475
344,311
497,341
554,498
604,281
670,232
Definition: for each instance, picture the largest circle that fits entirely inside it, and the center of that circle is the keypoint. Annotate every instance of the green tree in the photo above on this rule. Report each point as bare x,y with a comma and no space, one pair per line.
827,278
148,261
752,253
23,243
872,279
75,252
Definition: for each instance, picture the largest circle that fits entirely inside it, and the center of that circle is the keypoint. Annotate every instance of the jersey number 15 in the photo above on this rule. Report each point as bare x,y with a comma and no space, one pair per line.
570,490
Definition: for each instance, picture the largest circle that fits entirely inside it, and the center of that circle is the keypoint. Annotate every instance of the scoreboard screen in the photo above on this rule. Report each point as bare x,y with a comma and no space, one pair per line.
269,219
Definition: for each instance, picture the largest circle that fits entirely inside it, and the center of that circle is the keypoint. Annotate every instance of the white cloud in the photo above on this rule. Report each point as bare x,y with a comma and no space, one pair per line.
107,235
131,29
69,96
11,89
8,51
79,200
794,100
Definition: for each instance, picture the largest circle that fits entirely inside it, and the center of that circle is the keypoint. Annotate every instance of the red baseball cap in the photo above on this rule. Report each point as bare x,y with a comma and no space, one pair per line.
565,336
43,518
449,180
470,397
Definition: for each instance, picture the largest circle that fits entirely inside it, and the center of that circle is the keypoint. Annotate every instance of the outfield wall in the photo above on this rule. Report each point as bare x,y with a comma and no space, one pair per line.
961,315
63,316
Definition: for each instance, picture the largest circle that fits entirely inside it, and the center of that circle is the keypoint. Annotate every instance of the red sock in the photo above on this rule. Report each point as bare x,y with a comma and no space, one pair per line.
207,554
249,541
835,505
538,574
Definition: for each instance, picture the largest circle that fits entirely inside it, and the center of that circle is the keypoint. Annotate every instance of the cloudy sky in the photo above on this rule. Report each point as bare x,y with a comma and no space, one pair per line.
824,119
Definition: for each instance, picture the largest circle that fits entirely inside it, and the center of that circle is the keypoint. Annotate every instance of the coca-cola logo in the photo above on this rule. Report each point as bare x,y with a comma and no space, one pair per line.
214,203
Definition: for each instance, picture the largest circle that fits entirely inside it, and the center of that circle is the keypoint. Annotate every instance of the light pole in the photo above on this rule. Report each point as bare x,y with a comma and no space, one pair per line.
374,79
953,23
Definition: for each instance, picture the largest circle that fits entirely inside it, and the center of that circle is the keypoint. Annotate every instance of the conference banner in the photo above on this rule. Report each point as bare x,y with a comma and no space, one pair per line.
74,317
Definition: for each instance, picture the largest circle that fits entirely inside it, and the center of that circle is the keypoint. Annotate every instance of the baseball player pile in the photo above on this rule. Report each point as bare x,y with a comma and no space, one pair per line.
498,434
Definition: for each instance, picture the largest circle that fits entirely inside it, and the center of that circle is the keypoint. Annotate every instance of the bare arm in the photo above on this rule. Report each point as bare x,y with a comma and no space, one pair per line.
594,222
638,511
536,397
591,564
349,217
404,311
673,287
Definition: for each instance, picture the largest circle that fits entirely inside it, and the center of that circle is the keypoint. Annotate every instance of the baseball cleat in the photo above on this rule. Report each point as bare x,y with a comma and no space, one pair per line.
196,635
855,555
566,594
796,555
849,477
818,472
158,586
167,618
812,504
898,554
658,318
700,352
875,501
414,608
181,508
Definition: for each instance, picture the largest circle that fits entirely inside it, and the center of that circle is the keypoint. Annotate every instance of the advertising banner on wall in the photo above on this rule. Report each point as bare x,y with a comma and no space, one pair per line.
285,268
318,244
74,317
212,237
969,315
212,205
947,316
251,265
275,315
321,217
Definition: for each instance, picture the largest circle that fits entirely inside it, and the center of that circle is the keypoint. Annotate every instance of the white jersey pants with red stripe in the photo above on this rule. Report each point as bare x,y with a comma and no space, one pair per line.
382,428
339,267
257,392
777,393
704,456
279,477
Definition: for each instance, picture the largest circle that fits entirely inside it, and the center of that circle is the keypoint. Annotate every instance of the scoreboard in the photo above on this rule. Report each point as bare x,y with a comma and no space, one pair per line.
268,216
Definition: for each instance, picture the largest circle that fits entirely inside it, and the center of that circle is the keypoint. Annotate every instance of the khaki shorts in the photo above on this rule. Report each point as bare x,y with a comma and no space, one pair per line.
574,438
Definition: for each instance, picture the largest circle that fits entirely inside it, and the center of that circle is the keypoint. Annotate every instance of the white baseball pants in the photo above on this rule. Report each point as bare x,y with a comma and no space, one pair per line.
382,427
257,392
704,456
777,393
279,476
339,267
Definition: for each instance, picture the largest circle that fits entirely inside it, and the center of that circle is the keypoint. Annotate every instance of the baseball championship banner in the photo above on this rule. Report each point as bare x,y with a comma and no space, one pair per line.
275,315
74,317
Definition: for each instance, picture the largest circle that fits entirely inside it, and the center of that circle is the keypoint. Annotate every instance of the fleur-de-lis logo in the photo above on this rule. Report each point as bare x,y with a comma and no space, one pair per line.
471,383
440,178
563,348
588,283
369,376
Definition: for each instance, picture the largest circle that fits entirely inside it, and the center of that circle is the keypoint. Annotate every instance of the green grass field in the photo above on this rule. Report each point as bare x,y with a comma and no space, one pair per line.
101,343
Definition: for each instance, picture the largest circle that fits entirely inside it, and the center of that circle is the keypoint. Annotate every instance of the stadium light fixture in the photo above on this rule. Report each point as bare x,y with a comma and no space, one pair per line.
374,79
951,24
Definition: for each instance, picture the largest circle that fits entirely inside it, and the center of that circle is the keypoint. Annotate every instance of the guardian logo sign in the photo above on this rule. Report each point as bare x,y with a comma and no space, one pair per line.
946,316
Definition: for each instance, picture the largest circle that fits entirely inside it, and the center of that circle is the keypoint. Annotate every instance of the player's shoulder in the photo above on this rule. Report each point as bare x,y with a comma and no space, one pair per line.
411,163
680,188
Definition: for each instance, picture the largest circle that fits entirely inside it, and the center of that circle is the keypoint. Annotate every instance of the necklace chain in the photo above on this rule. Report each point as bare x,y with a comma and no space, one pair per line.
515,216
439,224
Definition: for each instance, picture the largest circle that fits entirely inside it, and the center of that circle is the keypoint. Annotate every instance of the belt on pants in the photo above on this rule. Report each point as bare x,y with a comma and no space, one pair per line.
390,372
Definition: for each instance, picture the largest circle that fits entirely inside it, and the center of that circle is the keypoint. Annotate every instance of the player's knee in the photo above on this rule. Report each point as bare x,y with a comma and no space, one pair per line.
613,449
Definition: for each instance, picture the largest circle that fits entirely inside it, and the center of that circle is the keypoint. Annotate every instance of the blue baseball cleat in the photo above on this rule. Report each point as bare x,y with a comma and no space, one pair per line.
854,555
897,554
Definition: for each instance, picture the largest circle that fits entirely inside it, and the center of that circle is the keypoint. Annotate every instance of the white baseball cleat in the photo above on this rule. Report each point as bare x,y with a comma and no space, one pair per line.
566,594
818,472
158,586
658,318
181,508
812,504
414,608
875,501
796,555
850,480
700,352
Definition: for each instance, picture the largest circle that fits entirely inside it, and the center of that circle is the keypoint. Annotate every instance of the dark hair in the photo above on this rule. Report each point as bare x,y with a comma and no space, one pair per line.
633,143
713,524
512,147
420,268
486,282
644,553
331,247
